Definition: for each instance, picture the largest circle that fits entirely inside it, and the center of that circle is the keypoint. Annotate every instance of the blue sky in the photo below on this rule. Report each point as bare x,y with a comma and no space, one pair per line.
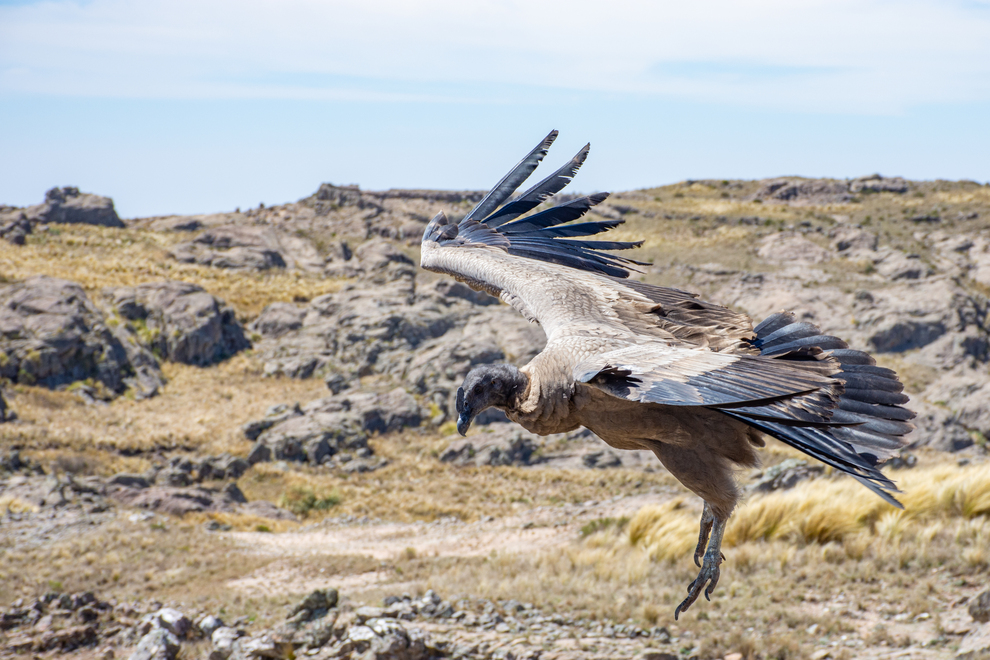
183,107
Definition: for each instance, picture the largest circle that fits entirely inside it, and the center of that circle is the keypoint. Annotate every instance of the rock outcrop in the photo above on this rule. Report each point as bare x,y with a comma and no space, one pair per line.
52,334
178,321
68,206
249,248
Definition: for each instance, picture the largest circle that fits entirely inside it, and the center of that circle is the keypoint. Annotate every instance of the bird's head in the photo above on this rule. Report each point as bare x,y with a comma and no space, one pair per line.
486,386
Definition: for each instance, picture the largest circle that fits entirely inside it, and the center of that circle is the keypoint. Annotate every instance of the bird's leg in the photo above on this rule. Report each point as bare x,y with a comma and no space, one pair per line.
707,518
709,573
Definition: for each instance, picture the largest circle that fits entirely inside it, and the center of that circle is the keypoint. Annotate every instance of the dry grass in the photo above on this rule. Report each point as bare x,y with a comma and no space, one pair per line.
97,257
835,510
198,410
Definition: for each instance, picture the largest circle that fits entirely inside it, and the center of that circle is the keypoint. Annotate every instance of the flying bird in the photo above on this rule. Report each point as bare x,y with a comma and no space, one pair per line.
649,367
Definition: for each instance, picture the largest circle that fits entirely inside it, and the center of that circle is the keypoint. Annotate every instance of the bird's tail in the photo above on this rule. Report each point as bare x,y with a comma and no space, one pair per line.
868,423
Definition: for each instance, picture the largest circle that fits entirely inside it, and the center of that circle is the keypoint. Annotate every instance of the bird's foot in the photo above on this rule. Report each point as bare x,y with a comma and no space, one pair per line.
708,575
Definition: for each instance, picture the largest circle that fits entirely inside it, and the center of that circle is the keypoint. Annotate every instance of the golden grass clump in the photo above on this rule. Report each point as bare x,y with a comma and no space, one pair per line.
826,511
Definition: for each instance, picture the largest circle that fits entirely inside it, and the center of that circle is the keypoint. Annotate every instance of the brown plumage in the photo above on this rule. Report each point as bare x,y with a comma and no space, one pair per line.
648,367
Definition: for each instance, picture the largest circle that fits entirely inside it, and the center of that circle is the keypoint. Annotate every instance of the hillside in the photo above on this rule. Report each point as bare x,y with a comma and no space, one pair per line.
224,412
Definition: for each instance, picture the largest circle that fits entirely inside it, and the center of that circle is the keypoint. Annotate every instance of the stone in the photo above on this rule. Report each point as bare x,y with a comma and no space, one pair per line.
51,334
249,248
804,191
318,600
208,625
784,248
875,183
68,205
15,230
976,644
263,646
174,621
313,437
158,644
129,480
853,240
6,414
786,475
511,446
278,319
979,607
178,321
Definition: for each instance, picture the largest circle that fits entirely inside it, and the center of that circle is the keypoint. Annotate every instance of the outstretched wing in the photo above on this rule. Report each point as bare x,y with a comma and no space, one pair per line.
499,230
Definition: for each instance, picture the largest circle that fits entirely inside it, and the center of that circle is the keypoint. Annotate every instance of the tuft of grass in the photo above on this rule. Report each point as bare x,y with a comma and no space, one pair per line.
826,511
302,500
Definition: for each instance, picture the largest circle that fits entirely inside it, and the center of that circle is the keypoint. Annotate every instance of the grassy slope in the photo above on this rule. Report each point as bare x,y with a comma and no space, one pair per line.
881,561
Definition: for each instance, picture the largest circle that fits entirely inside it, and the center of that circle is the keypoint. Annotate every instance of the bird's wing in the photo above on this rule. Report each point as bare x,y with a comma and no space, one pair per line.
682,350
687,376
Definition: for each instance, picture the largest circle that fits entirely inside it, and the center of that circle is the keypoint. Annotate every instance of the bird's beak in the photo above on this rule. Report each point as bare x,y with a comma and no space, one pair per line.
464,422
464,413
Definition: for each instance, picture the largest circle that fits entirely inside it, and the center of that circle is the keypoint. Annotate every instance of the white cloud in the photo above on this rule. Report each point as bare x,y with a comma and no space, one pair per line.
872,56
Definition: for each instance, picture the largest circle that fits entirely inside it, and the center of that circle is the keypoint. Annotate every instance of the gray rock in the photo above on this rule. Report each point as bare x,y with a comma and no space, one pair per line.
249,248
278,319
853,240
786,475
220,467
875,183
508,446
313,437
179,321
68,205
314,605
807,191
129,480
791,249
976,644
262,646
274,415
51,334
208,625
223,639
14,229
6,414
174,621
979,607
158,644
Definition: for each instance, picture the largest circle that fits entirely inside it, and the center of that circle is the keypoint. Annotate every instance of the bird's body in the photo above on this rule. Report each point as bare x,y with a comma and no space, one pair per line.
655,368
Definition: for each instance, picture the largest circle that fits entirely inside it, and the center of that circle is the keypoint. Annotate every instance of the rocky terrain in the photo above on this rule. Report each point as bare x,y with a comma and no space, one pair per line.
199,405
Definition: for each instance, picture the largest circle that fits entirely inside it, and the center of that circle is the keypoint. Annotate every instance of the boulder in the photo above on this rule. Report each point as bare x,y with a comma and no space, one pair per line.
51,334
786,475
158,644
68,205
806,191
14,227
278,319
249,248
853,240
979,607
6,414
179,321
208,625
784,248
313,437
976,644
505,445
875,183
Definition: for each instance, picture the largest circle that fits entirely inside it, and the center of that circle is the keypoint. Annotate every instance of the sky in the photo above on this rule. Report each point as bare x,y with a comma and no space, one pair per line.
196,106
